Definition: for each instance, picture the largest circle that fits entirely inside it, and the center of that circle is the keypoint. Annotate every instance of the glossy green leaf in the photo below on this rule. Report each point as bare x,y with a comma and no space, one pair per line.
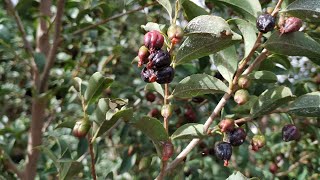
97,83
249,9
192,10
304,9
237,176
307,105
167,5
154,87
189,131
67,124
248,32
198,84
294,44
152,128
271,99
101,110
226,62
206,35
263,76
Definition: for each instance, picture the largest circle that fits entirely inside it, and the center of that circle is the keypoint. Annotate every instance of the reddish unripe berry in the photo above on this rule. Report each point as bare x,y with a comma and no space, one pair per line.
175,33
244,82
292,24
150,96
154,113
226,125
223,151
257,142
273,168
167,150
237,136
153,40
81,128
241,96
290,132
143,55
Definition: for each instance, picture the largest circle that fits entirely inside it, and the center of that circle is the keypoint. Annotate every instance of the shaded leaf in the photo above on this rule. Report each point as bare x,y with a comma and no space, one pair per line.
69,168
49,154
40,60
237,176
307,105
263,76
271,99
167,5
192,10
226,62
305,9
154,87
188,131
198,84
67,124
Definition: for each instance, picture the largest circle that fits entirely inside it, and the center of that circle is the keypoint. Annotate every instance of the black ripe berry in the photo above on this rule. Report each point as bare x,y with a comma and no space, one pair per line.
265,23
148,75
237,137
290,132
159,59
153,40
223,151
165,75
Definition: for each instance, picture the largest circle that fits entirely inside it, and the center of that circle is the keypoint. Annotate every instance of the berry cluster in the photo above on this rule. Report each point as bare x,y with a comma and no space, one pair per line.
157,61
242,95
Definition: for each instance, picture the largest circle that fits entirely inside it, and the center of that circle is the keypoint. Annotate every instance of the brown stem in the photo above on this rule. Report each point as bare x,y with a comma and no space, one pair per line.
111,18
10,165
166,119
93,169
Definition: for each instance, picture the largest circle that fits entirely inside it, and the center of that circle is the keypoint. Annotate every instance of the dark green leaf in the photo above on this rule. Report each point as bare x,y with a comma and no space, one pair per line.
154,87
40,60
305,9
189,131
69,168
226,62
192,10
198,84
97,83
271,99
127,163
49,154
167,5
307,105
263,76
67,124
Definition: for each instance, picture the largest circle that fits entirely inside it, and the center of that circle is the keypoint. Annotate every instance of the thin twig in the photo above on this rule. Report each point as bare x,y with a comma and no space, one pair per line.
277,8
10,165
54,48
111,18
93,169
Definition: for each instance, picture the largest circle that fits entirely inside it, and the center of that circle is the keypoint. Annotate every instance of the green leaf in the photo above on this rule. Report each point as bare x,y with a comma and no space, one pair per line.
226,62
237,176
263,76
154,87
40,60
206,35
305,9
271,99
153,128
97,83
189,131
192,10
248,32
307,105
249,9
49,154
198,84
167,5
101,110
294,44
125,114
153,26
69,168
67,124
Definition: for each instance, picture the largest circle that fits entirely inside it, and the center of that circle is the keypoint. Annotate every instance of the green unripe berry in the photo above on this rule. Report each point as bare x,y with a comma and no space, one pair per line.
241,96
175,33
81,128
244,82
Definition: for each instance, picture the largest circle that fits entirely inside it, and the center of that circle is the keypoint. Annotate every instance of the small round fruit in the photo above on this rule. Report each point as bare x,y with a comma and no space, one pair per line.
159,59
292,24
148,75
241,96
154,113
190,115
81,128
167,150
257,142
265,23
290,132
150,96
273,168
153,40
165,75
237,136
175,33
226,125
244,82
143,55
223,151
166,110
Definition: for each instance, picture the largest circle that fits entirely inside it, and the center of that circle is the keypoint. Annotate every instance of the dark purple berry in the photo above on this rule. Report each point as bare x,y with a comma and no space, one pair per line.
290,132
150,96
223,151
159,59
148,75
153,40
190,115
237,136
165,75
154,113
265,23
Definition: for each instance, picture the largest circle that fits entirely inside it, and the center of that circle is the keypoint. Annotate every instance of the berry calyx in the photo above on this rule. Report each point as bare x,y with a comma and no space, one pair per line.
81,128
241,96
159,59
148,75
237,136
265,23
223,151
175,33
290,132
150,96
257,142
167,150
165,75
153,40
143,55
226,125
244,82
292,24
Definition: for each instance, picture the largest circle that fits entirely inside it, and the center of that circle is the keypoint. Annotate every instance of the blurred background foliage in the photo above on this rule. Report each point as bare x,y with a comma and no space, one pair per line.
124,152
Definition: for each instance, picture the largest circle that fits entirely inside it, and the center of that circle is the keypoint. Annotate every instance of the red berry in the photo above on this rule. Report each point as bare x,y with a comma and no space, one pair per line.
81,128
143,55
190,115
273,168
257,142
167,150
154,113
153,40
226,125
150,96
292,24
